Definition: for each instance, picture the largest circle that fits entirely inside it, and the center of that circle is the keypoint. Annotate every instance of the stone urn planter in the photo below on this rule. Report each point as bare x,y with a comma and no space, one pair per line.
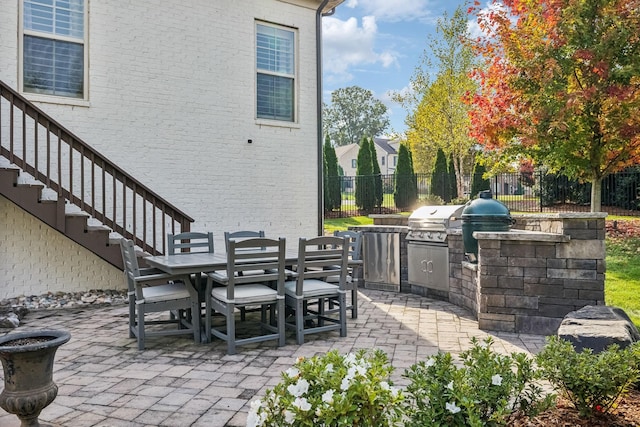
27,360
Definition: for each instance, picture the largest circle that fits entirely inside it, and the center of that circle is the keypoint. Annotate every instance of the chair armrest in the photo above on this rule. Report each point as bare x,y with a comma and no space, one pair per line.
148,274
219,277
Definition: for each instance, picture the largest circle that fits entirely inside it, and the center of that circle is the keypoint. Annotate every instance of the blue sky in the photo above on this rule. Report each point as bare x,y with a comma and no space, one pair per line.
377,44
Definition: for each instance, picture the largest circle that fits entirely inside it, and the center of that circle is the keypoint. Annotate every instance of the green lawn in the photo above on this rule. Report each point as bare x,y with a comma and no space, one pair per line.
622,282
331,225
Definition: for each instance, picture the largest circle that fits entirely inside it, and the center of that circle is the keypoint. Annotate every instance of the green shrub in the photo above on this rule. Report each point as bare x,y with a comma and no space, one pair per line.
365,180
591,382
332,390
485,391
406,190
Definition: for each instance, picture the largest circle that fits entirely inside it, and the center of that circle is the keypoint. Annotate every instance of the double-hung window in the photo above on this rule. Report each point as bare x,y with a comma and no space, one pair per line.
54,47
276,72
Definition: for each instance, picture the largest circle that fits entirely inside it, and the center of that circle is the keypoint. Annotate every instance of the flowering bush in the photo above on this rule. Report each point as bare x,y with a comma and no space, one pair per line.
592,382
485,391
332,390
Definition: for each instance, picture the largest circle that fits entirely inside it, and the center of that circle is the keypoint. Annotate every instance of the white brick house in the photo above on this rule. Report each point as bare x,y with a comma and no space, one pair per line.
174,94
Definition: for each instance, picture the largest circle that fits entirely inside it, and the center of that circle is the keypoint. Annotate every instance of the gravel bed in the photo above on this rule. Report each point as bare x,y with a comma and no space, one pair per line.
12,310
53,300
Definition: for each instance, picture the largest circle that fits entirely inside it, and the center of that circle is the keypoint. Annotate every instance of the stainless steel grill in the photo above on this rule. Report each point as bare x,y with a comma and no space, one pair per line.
427,247
431,223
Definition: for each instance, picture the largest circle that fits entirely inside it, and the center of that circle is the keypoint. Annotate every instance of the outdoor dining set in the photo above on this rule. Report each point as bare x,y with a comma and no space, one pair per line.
213,294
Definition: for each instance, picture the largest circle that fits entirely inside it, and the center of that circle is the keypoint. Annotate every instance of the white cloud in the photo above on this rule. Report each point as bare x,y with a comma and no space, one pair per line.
351,3
347,45
395,10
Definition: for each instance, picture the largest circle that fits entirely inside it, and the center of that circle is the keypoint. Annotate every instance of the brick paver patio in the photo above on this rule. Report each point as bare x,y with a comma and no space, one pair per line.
105,381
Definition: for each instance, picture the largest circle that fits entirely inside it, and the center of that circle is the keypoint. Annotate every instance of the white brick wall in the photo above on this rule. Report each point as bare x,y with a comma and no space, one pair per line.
35,259
171,92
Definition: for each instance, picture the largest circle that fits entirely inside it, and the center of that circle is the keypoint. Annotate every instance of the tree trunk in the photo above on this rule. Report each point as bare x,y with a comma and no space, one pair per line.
596,195
459,167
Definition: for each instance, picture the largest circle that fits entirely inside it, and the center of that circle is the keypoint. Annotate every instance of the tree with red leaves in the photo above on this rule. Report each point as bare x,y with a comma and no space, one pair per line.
560,84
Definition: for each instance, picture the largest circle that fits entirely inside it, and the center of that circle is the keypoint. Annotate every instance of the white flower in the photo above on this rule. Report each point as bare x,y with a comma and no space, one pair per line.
253,419
451,407
292,372
430,362
496,379
300,388
450,385
289,416
395,391
329,368
384,385
346,383
350,359
327,396
302,404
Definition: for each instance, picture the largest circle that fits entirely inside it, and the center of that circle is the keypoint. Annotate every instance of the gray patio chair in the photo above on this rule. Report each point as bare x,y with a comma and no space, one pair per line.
239,236
318,258
190,242
242,290
354,272
150,291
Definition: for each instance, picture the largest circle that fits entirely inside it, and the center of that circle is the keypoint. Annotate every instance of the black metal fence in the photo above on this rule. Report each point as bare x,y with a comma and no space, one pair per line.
536,192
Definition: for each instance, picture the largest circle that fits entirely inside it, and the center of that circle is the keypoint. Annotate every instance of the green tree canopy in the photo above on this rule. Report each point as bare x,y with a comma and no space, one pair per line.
560,84
438,114
352,115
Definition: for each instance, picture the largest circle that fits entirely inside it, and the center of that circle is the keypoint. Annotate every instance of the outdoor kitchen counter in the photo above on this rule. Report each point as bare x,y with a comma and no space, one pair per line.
521,235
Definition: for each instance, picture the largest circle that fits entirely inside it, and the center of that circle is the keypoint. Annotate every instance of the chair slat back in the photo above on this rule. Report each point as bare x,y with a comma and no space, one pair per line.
256,254
320,257
189,242
130,261
241,235
355,242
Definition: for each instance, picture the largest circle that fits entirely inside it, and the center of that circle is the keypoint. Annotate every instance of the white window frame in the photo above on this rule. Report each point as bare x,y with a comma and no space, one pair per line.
54,98
274,121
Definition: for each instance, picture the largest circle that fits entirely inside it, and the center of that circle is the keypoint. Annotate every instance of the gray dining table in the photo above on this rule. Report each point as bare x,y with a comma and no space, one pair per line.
192,264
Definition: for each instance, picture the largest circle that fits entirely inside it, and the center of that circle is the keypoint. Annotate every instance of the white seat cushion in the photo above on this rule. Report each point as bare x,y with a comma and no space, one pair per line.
312,288
246,294
167,292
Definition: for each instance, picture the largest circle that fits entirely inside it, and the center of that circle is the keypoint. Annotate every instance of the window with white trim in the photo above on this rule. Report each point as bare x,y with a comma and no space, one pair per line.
54,47
276,72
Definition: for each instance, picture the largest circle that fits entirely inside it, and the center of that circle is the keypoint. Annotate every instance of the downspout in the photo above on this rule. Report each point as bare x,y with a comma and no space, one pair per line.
319,15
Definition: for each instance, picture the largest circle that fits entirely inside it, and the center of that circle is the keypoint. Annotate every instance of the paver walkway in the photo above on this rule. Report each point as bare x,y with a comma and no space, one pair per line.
105,381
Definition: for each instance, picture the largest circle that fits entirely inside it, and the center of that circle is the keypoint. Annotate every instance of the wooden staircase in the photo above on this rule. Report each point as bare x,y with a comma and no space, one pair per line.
56,177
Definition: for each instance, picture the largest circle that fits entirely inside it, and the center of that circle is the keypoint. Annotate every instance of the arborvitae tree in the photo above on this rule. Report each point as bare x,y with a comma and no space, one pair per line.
377,177
453,188
365,183
439,177
478,182
405,193
332,194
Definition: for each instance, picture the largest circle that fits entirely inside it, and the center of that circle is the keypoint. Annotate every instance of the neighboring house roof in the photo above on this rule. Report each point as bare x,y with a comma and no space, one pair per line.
343,149
385,144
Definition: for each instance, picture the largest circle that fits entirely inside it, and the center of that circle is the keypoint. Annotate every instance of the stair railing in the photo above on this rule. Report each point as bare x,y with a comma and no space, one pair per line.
43,148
